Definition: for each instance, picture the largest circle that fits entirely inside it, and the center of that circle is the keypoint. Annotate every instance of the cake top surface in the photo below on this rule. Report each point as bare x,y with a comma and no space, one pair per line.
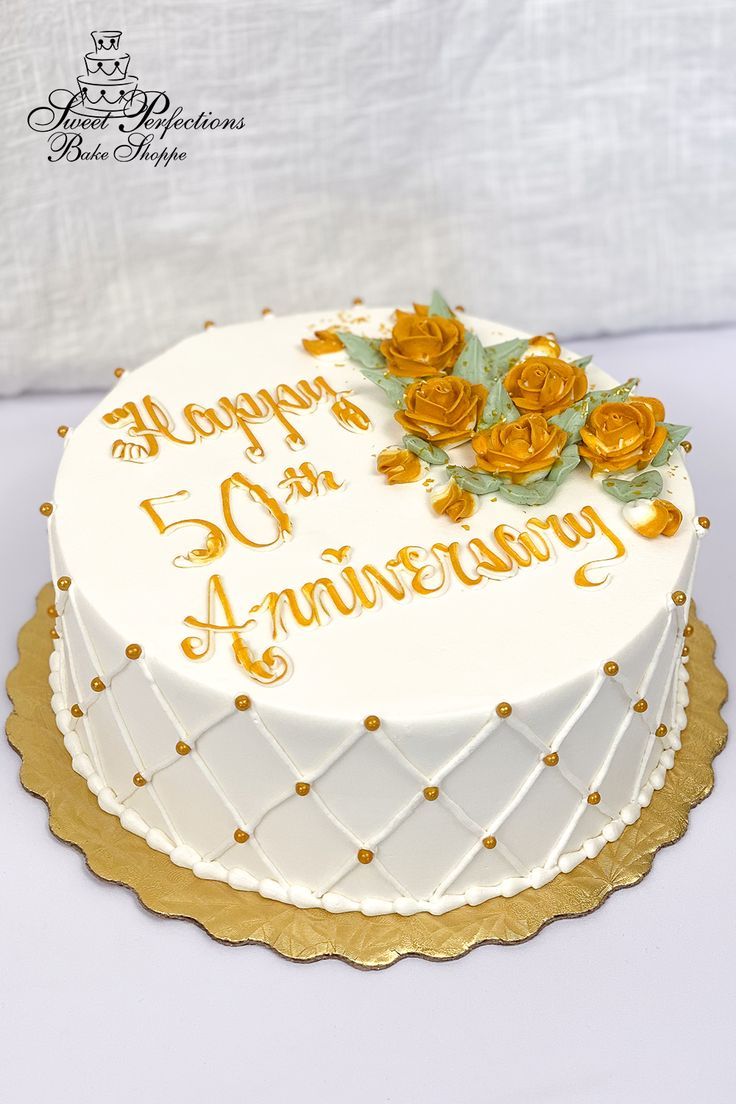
228,507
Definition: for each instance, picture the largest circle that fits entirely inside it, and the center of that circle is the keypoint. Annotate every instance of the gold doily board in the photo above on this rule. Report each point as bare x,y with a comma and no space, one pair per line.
306,935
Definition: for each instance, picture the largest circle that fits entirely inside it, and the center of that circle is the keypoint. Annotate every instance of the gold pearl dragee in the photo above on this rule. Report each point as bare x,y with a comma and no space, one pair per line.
372,722
610,668
685,650
54,634
119,373
551,760
704,522
240,835
97,684
594,798
686,446
62,430
503,709
63,582
242,702
138,780
266,311
661,731
357,301
208,324
688,630
489,842
46,508
641,705
76,711
679,597
134,651
52,611
431,793
365,856
182,748
302,788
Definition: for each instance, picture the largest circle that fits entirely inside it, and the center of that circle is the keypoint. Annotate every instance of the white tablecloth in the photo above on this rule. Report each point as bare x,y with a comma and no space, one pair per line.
558,164
633,1003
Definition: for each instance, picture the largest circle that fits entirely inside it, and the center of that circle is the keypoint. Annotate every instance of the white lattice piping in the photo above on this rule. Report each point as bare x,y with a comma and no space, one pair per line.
335,902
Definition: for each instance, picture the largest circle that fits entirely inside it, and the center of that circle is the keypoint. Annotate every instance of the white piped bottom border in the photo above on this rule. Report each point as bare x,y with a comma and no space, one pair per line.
302,897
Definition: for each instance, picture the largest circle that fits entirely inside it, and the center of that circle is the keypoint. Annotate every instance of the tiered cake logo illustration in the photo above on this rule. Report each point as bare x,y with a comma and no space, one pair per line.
106,88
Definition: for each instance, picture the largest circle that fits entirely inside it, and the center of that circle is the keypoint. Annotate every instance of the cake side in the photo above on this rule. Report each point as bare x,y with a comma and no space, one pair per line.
542,710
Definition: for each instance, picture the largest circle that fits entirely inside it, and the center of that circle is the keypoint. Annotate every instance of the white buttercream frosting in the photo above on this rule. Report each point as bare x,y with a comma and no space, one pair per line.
432,669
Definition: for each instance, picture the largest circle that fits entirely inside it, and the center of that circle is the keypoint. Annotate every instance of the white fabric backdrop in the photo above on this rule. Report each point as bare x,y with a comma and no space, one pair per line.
566,164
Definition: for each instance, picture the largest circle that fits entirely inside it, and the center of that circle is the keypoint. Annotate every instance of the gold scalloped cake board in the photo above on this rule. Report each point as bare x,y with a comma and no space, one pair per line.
305,935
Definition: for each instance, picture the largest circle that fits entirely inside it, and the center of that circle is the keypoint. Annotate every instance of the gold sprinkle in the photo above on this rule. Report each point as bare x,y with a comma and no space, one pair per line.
64,582
54,634
594,798
138,780
489,842
76,711
240,835
431,793
610,668
365,856
686,446
552,759
52,611
688,630
62,430
134,651
641,705
242,702
372,723
302,788
97,684
119,373
685,650
704,522
679,597
459,307
661,730
208,326
46,508
357,301
266,310
182,748
503,709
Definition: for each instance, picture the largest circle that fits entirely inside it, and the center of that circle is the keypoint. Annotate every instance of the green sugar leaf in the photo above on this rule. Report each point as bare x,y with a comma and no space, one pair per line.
622,393
471,365
499,407
531,494
366,353
364,350
646,485
499,358
566,463
477,482
571,420
438,305
582,362
426,451
675,435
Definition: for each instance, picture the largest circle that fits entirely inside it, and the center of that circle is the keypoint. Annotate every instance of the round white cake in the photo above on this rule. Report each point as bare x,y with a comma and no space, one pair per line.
293,674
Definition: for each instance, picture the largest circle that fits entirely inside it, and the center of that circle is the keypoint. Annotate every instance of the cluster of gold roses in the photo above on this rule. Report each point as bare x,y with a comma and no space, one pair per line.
534,419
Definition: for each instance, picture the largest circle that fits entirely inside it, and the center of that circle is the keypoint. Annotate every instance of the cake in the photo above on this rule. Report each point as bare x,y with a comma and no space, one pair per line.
106,88
373,610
